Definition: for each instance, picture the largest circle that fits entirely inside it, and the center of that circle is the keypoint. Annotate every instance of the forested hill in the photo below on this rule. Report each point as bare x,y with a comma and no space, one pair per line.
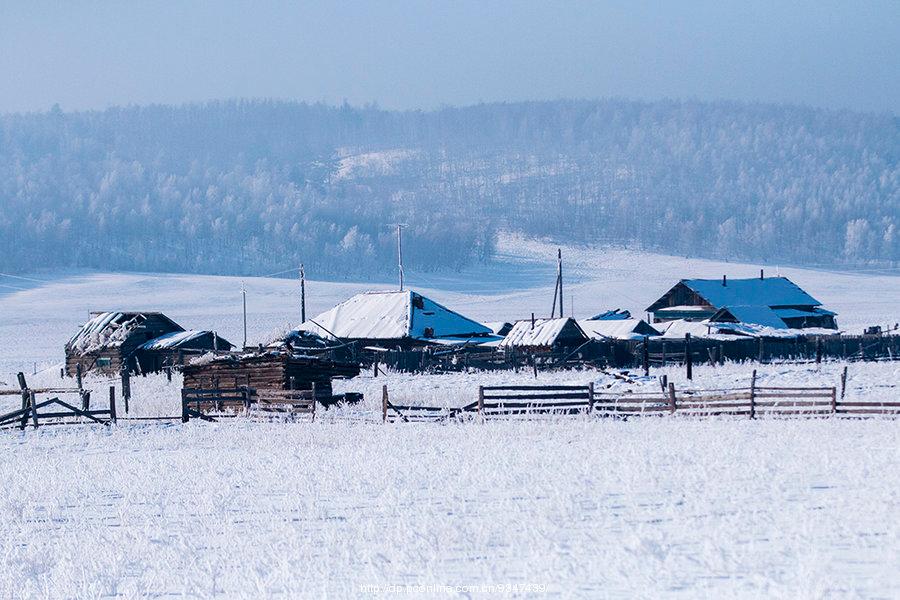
256,187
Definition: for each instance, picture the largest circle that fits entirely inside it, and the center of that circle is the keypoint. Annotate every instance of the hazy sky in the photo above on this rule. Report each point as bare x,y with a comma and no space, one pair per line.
424,54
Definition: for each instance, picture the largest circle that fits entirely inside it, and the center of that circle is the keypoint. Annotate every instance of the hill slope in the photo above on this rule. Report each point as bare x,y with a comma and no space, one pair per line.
255,187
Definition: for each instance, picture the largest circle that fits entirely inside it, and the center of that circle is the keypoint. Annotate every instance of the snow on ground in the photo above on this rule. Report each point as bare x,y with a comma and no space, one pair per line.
649,507
792,509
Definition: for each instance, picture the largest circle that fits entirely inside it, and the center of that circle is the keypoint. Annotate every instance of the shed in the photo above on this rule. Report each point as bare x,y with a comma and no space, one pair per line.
545,335
617,329
172,348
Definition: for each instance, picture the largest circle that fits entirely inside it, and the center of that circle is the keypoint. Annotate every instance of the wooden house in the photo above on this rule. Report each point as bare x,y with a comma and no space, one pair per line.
140,342
767,302
543,336
267,370
109,340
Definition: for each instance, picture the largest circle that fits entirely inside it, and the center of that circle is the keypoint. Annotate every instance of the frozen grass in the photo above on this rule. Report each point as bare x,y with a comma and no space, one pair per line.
649,508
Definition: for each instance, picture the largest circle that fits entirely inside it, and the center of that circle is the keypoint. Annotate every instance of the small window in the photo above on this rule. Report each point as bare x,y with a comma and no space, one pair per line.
104,362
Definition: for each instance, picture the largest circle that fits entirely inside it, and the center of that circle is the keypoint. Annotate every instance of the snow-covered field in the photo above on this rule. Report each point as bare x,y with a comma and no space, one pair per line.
665,507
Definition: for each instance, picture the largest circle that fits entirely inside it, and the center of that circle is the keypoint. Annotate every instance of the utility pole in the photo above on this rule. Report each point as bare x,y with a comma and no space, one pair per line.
302,295
400,227
559,280
244,301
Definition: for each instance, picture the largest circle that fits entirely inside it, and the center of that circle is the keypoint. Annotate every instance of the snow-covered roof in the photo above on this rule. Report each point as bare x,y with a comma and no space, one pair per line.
679,327
756,315
771,291
621,329
390,316
544,333
178,339
108,330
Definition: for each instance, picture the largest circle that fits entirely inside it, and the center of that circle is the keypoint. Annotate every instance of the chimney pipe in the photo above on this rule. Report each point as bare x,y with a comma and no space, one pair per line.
724,280
532,320
762,275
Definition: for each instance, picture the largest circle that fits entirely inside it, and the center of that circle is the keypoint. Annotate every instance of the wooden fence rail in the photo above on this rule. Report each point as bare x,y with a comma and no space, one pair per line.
752,402
211,404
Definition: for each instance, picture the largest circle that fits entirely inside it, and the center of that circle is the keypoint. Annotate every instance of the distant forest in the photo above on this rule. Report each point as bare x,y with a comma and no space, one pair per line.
260,186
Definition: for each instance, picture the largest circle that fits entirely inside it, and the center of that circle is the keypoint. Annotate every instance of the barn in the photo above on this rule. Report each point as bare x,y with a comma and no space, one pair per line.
771,302
172,349
396,320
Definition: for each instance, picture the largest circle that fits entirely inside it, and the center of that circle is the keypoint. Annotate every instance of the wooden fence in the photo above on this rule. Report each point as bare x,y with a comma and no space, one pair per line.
752,402
54,411
210,404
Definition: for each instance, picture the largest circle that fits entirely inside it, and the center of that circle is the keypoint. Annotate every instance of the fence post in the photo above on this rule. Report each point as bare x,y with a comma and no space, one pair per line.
534,364
34,417
480,401
646,356
78,374
833,400
384,403
375,368
843,382
126,388
184,409
112,403
688,358
672,397
753,395
85,400
23,385
664,383
591,398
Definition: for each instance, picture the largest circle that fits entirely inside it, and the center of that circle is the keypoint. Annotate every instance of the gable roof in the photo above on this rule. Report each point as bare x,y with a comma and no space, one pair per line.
544,333
771,291
390,316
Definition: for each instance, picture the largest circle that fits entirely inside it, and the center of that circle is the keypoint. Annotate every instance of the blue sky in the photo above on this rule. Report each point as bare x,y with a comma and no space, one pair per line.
427,54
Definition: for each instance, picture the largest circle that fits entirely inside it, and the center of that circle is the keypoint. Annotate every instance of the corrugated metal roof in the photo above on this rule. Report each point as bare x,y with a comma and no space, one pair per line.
390,316
771,291
544,332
